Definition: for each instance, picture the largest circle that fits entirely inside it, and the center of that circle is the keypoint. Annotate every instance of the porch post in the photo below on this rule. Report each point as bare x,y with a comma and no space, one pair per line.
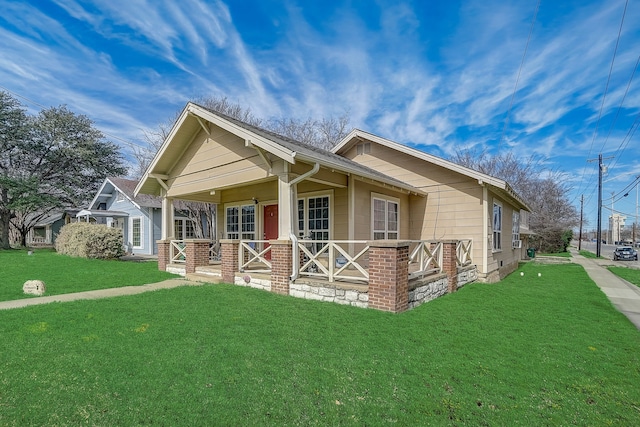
389,275
163,254
450,264
281,266
285,204
229,254
167,218
196,254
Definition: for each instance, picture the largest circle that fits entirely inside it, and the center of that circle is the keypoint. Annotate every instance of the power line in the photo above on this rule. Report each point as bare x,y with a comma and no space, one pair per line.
615,119
604,95
606,88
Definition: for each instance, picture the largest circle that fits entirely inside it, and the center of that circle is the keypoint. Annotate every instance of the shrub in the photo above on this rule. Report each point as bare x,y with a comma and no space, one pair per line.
82,239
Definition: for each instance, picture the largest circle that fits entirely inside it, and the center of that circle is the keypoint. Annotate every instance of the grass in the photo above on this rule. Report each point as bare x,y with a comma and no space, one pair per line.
63,274
629,274
558,254
531,350
588,254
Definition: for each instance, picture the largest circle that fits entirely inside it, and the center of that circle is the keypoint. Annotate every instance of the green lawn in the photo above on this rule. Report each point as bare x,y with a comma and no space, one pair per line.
588,254
63,274
531,350
558,254
631,275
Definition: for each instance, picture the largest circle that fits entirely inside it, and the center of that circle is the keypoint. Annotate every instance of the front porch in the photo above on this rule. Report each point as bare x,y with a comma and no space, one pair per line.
388,275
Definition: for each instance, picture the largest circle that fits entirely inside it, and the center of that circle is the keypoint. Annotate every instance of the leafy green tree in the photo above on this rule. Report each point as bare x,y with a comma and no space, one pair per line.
13,133
55,160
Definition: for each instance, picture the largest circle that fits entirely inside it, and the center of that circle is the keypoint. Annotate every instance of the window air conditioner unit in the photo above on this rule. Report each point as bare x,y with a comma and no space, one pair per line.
517,244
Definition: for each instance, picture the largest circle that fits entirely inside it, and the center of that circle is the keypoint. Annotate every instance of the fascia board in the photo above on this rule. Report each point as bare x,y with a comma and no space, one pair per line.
345,141
341,168
95,198
181,118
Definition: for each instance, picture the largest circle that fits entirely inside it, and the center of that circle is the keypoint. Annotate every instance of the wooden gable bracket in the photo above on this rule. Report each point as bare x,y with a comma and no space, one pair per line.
204,127
261,152
161,180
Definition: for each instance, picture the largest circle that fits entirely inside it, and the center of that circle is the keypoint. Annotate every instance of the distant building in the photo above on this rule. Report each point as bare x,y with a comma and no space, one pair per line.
616,225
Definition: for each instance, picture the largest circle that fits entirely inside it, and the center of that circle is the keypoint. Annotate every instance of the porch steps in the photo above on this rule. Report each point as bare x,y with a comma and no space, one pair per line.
203,278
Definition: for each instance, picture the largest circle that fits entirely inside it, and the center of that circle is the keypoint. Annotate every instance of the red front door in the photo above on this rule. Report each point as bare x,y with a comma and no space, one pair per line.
270,221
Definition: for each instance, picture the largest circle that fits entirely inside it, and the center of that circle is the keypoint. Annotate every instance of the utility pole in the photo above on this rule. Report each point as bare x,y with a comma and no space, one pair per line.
580,234
601,168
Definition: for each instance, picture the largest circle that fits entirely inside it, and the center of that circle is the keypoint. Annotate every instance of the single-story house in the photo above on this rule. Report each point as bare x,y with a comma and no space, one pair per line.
371,223
138,216
46,229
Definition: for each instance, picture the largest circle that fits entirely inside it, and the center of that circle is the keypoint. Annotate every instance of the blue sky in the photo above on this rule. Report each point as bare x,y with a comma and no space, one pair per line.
436,75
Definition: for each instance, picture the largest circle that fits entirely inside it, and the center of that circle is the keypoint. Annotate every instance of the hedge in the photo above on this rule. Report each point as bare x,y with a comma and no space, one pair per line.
86,240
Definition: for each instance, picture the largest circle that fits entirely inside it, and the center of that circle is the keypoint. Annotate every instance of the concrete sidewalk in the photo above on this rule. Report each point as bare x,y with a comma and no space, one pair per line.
101,293
623,295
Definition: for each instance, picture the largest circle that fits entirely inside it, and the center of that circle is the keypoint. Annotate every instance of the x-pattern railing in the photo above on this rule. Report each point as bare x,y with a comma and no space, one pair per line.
330,259
177,252
425,257
253,255
214,251
463,252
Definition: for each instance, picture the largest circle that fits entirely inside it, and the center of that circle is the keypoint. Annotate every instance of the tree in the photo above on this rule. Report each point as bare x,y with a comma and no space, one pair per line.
544,191
58,161
13,131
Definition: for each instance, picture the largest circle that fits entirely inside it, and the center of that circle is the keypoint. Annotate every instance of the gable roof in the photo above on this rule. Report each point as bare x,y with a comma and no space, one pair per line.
190,122
498,185
127,188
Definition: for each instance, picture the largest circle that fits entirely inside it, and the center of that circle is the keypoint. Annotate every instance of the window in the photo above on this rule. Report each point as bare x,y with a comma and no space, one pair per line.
385,218
136,232
497,227
184,229
314,215
515,230
241,222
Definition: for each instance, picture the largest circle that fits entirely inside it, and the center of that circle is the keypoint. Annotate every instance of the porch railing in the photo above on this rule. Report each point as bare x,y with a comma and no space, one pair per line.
334,259
177,252
425,258
463,252
255,255
214,251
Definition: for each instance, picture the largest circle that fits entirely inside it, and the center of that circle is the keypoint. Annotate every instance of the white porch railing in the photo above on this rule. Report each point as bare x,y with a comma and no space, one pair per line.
177,252
214,251
255,255
463,252
334,259
425,258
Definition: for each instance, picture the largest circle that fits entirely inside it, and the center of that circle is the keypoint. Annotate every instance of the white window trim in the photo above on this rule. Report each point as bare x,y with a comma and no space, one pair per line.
141,232
239,205
312,195
515,229
184,221
496,235
386,199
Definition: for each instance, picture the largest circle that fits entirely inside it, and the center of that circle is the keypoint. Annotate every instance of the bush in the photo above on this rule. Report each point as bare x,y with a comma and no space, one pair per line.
82,239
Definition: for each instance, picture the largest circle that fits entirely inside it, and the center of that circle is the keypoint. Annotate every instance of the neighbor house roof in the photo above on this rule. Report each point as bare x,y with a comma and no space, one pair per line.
499,185
190,122
127,188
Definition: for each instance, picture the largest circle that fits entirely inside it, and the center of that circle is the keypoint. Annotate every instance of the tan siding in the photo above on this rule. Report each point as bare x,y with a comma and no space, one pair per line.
213,162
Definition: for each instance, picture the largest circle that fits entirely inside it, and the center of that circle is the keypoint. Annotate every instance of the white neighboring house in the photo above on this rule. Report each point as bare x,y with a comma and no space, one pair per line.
139,217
